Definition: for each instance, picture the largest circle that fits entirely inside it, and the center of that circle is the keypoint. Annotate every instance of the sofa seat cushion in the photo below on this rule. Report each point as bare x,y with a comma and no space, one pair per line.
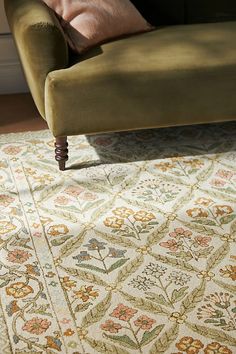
173,75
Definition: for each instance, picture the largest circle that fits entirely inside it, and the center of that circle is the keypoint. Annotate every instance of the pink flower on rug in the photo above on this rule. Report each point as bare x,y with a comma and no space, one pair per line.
225,174
180,232
12,150
218,183
202,241
111,326
144,322
124,313
5,200
74,191
171,244
36,325
62,200
88,196
18,256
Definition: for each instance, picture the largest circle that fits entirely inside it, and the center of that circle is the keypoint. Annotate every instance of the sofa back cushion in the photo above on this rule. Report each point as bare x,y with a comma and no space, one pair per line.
162,12
89,22
198,11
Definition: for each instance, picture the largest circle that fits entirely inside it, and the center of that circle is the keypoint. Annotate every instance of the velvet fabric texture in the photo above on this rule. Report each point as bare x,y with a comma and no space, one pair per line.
187,77
171,76
88,22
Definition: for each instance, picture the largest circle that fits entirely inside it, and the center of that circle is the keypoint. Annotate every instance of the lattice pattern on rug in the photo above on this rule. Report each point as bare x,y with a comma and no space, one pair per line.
133,253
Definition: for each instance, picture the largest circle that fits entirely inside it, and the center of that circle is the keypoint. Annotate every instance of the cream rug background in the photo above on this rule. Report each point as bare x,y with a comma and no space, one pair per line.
133,253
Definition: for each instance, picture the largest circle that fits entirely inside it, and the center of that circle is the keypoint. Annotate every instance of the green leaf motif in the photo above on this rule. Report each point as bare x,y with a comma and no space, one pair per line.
86,276
73,245
92,267
178,294
124,340
159,298
121,241
177,263
97,312
214,334
103,347
65,215
205,222
129,269
82,307
148,336
233,228
228,287
144,304
227,219
117,264
158,234
164,342
193,298
60,241
217,256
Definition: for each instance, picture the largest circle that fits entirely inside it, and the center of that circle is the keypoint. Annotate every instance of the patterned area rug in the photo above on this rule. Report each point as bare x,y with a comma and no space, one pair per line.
130,251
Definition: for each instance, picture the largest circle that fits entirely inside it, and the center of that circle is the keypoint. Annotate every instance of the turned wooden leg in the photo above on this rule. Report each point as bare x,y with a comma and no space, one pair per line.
61,152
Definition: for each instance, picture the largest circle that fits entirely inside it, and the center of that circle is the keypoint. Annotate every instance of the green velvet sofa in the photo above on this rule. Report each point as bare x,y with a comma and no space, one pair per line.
183,72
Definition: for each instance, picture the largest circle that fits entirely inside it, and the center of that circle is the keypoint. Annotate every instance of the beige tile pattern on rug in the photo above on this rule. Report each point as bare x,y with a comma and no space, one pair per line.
131,250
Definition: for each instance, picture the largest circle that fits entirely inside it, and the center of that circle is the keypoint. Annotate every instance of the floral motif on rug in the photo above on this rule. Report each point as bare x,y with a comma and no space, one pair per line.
131,250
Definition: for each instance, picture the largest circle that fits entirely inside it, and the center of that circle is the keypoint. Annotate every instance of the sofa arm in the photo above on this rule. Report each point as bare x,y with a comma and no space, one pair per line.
40,42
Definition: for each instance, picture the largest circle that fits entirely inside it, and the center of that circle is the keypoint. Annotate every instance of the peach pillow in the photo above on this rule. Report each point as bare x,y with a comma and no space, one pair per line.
90,22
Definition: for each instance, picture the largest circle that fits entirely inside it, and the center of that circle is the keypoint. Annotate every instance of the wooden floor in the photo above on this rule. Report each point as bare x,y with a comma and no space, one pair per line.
18,113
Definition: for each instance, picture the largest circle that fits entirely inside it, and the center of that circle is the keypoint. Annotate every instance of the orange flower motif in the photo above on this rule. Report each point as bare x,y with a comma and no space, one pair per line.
123,212
12,150
165,166
197,213
5,200
69,332
114,222
62,200
202,241
194,163
189,345
88,196
218,183
85,293
144,322
217,348
171,244
36,325
204,201
229,272
18,256
220,210
180,232
111,326
124,313
67,283
58,230
143,216
19,290
225,174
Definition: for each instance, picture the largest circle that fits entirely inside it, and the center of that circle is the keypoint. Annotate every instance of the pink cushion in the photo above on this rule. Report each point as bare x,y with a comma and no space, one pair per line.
89,22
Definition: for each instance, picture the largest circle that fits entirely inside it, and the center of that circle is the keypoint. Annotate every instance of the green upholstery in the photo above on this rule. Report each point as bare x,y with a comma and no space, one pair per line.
40,42
181,74
173,75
